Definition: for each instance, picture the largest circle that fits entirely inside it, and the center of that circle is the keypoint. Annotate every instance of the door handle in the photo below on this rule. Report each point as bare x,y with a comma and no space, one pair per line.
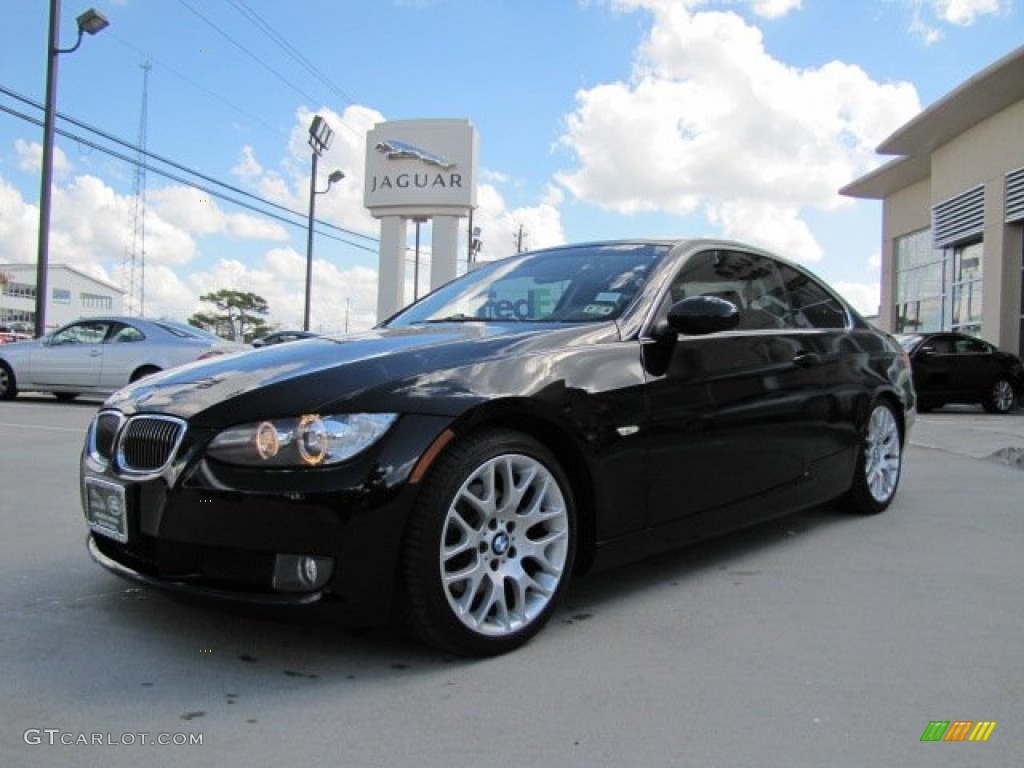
806,359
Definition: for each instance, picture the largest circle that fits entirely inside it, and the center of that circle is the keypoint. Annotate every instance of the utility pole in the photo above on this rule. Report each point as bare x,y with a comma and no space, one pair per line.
519,240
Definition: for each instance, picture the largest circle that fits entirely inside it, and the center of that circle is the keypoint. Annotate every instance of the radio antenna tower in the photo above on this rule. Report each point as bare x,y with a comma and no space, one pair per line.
133,267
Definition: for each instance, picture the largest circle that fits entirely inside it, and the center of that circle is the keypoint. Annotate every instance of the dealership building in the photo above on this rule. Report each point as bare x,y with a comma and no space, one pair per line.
953,212
71,294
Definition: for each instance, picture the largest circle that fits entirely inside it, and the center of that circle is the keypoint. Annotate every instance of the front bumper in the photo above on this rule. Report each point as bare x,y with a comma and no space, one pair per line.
221,532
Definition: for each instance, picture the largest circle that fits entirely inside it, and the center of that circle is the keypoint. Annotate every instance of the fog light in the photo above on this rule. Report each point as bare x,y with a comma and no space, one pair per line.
301,573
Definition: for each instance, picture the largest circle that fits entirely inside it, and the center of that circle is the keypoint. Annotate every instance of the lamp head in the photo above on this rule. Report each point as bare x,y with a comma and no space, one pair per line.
92,21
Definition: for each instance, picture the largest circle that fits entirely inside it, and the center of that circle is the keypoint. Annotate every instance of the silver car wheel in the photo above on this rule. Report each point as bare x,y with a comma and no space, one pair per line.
882,454
1003,396
505,544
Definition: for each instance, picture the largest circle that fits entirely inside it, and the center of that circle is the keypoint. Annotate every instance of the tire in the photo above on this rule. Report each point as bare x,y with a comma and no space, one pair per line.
1000,397
8,384
141,373
65,397
490,546
879,461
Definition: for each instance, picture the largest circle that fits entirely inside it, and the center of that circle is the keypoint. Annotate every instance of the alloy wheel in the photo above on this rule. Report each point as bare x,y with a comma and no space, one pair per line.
505,545
1003,396
882,454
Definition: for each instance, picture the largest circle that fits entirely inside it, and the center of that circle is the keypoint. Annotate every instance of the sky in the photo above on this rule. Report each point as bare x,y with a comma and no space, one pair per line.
597,119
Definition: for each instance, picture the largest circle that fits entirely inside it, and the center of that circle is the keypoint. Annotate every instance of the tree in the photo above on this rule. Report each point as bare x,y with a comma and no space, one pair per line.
240,315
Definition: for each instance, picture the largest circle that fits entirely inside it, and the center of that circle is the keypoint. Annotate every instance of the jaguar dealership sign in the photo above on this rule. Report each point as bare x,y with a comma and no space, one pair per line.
418,170
421,168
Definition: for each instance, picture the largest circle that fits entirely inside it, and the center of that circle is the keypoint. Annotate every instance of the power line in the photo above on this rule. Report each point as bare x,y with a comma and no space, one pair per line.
251,55
172,164
288,48
166,174
198,85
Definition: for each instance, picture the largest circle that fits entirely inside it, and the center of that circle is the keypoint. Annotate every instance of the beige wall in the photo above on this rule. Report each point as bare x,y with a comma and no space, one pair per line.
982,155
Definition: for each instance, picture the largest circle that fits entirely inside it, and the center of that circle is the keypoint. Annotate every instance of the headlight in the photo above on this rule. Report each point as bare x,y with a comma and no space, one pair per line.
307,441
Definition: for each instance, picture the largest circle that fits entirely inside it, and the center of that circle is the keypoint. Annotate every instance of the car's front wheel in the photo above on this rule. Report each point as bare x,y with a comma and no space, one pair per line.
8,385
1001,397
879,462
490,545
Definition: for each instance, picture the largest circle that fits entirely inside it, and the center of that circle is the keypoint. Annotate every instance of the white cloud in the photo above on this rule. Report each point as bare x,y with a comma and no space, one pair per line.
928,15
711,122
775,9
197,212
500,226
280,279
964,12
30,158
247,166
19,223
865,297
289,186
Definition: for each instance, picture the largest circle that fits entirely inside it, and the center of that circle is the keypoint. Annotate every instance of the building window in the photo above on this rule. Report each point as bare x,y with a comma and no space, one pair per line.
965,296
937,289
19,290
919,284
61,296
95,301
18,317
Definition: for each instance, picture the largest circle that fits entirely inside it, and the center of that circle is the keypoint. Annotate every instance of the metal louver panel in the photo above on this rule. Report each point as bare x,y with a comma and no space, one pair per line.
959,218
1015,196
148,443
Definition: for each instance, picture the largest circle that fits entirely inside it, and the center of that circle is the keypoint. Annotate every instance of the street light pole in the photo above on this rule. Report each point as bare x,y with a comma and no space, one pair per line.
92,22
320,136
309,242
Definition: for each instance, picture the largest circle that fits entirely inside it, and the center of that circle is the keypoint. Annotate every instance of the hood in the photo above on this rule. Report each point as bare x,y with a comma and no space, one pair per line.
326,373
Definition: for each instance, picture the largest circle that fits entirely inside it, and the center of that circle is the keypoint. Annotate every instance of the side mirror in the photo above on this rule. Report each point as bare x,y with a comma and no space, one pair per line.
700,315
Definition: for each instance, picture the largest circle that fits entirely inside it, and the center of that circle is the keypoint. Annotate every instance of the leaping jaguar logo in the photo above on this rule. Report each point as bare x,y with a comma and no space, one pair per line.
396,150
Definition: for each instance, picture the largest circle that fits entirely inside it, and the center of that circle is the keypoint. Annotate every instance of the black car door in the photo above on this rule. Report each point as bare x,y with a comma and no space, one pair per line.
973,367
933,364
738,413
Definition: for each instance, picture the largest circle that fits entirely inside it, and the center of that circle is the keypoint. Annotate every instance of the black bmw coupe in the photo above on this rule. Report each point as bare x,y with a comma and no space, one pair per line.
560,410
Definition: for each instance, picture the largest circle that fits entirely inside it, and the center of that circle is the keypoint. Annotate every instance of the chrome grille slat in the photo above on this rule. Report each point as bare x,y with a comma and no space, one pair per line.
105,434
147,444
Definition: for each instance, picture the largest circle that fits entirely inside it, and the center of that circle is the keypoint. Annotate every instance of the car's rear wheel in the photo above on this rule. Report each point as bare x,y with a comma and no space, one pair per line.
8,384
490,546
1001,397
879,462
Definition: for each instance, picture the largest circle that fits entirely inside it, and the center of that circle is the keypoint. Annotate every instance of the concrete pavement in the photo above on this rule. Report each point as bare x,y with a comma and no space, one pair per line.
969,431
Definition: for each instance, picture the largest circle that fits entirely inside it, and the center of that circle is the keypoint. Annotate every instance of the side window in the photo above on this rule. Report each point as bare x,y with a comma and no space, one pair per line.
91,332
125,333
971,347
748,280
812,305
941,345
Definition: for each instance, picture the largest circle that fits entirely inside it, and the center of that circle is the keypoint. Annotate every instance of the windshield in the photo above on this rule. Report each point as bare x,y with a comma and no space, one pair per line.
186,331
581,284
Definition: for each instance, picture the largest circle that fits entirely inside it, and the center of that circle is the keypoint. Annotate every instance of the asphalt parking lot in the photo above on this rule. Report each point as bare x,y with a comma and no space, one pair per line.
819,639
